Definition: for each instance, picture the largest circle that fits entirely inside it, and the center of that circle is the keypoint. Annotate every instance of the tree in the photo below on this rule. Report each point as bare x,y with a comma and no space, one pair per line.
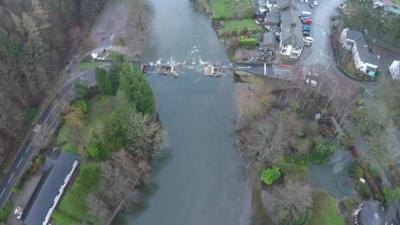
143,136
321,150
291,202
98,208
82,90
95,148
136,88
103,82
267,139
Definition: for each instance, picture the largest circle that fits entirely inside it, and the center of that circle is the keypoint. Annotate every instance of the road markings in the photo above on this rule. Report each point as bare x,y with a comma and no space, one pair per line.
27,149
48,116
9,179
327,56
1,195
19,163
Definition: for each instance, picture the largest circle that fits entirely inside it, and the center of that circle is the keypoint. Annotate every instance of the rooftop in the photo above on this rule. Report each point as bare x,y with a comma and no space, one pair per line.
291,28
57,170
365,54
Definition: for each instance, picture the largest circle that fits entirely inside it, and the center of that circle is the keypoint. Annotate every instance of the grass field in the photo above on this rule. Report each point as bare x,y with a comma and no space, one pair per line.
87,65
229,9
240,25
397,2
73,206
324,210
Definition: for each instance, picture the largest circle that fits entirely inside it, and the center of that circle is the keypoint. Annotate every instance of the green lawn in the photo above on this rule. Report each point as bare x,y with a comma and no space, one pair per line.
87,65
325,211
5,212
230,9
73,205
240,25
397,2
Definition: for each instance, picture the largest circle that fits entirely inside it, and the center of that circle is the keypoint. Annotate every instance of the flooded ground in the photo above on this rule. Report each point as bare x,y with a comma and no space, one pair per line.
197,179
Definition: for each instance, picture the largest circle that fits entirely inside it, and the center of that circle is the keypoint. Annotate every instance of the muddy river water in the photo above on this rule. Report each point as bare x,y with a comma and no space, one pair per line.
197,180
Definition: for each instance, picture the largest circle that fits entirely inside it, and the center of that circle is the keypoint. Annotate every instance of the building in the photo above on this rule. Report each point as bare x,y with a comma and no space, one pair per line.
284,4
364,60
272,17
371,212
272,4
395,70
262,6
269,41
58,169
291,37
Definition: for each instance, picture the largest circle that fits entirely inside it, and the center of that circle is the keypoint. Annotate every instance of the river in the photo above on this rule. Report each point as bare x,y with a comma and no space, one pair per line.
198,180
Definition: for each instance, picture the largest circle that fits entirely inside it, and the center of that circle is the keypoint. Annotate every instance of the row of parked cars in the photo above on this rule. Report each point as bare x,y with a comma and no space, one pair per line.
306,20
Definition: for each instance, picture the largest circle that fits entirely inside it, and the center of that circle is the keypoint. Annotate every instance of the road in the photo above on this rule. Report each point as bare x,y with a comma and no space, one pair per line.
48,121
321,50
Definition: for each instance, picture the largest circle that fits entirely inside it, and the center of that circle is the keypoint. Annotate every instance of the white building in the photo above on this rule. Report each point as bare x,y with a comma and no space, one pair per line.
364,60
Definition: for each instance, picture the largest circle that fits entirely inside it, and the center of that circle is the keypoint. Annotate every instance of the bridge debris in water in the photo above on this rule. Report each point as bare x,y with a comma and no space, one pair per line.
214,70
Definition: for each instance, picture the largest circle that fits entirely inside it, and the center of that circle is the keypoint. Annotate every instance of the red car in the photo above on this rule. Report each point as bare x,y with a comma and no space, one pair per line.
307,21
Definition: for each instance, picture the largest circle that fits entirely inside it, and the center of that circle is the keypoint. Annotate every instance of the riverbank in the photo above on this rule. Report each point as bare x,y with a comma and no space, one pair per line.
276,130
234,23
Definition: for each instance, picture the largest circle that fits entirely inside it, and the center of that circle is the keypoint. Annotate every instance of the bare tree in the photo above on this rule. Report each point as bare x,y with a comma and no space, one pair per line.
143,135
291,202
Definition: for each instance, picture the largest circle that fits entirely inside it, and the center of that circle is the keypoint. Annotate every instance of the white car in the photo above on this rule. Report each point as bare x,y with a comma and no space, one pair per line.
308,41
312,83
315,2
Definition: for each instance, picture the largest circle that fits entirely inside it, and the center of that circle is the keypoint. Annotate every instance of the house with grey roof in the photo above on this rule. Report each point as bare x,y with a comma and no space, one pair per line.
272,17
364,60
372,212
58,170
291,38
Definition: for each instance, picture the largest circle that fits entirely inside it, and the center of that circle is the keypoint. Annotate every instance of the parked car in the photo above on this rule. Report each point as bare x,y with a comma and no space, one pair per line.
308,41
315,2
312,83
306,28
307,21
305,13
306,33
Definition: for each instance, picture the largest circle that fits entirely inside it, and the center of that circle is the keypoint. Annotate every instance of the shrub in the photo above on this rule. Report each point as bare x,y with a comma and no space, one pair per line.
30,114
81,105
248,42
82,90
321,151
356,171
269,176
392,194
348,204
95,149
